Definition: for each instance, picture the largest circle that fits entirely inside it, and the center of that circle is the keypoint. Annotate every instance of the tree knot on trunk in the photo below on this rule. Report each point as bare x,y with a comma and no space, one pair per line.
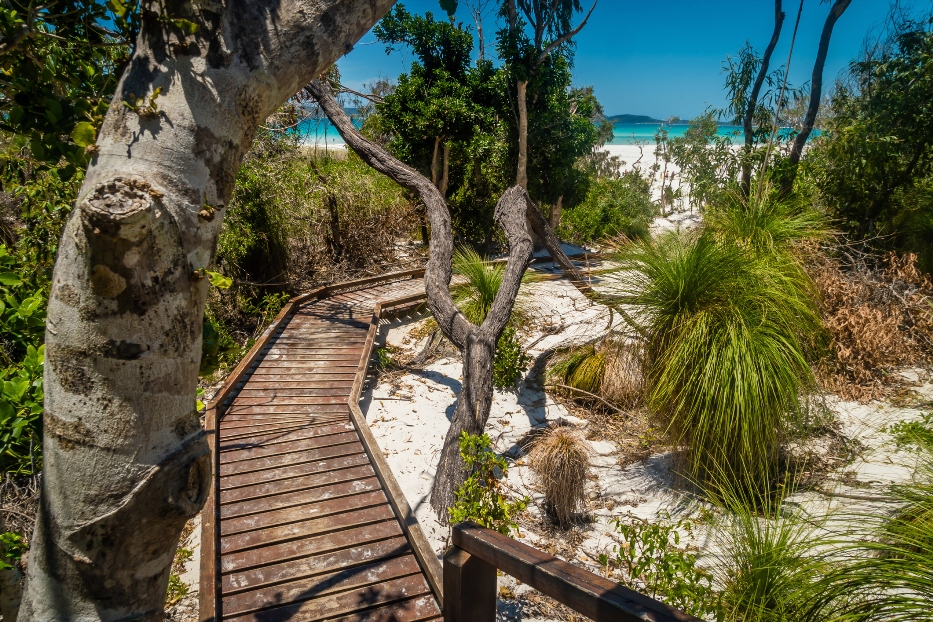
167,496
120,208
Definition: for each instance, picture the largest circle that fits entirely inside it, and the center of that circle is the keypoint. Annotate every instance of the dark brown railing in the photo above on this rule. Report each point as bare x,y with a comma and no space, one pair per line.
470,582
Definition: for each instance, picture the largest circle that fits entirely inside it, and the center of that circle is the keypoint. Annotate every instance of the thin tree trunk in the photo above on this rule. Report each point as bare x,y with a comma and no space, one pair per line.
445,171
521,174
336,244
476,342
753,98
816,92
556,211
552,244
436,163
126,459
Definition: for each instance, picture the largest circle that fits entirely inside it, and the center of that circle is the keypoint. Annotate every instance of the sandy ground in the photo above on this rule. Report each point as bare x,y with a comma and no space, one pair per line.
410,417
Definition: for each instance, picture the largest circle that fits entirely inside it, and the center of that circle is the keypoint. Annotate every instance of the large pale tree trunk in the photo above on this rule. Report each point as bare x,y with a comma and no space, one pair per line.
753,98
478,343
816,92
126,460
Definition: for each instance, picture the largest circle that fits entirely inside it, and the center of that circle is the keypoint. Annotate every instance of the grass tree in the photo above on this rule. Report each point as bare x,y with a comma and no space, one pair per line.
887,572
726,331
127,462
477,342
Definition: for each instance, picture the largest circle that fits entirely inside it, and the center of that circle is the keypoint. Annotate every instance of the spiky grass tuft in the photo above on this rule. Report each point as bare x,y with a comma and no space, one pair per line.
560,458
888,572
772,556
475,298
610,369
726,334
768,223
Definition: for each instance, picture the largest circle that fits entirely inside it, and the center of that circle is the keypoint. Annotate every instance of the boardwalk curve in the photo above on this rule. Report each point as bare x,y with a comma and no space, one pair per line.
305,520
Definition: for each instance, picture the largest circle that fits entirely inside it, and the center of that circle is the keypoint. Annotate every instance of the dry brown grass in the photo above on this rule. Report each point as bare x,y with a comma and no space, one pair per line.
623,382
560,458
878,316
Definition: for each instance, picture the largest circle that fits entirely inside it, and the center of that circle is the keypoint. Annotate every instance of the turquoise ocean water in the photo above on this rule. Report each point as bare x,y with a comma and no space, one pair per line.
322,132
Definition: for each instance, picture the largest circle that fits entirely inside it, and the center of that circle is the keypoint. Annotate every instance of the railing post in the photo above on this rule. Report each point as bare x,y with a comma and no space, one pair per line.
469,588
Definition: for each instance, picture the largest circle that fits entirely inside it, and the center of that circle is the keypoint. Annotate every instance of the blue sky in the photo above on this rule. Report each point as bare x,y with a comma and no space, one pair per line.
663,58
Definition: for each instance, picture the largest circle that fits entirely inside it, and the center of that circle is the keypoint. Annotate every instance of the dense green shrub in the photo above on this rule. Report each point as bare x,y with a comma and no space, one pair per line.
22,320
612,207
873,163
297,219
510,360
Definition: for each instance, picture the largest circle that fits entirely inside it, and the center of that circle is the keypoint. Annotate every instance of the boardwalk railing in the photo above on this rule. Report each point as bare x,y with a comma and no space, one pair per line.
470,582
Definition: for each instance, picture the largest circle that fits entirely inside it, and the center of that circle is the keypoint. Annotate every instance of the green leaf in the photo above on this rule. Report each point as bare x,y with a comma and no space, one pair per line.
16,116
218,280
449,5
118,7
67,172
84,134
9,278
186,25
37,149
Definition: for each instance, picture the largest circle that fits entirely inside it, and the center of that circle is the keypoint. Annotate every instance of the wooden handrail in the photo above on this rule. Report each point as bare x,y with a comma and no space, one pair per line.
470,582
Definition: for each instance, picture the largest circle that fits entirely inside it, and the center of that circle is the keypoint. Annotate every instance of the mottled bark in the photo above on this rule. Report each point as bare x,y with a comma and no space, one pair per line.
445,172
753,98
126,459
816,92
477,343
436,162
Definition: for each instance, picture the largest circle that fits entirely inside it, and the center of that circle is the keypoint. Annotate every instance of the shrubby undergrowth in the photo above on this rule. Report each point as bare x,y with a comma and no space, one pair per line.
618,205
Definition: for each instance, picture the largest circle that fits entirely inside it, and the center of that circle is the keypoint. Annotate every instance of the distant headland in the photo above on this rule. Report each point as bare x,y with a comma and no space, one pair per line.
633,118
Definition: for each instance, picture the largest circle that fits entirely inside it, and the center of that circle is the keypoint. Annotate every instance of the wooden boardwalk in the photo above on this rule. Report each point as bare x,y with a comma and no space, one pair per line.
305,520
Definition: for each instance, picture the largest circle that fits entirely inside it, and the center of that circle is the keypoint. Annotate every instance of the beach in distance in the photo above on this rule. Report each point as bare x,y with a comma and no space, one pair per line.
321,132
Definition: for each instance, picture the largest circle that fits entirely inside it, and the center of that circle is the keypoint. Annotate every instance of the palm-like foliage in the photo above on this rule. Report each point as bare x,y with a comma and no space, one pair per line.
889,573
474,298
726,331
772,557
766,223
483,280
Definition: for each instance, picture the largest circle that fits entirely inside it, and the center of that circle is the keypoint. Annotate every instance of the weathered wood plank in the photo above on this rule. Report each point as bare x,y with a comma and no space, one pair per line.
366,525
313,465
275,437
288,409
327,574
278,463
270,496
400,591
245,450
289,506
293,531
